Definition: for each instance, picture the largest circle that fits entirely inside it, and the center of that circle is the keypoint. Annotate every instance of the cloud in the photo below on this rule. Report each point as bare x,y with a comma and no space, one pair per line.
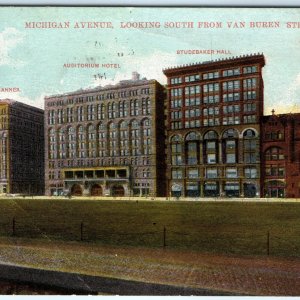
290,101
37,101
150,66
10,38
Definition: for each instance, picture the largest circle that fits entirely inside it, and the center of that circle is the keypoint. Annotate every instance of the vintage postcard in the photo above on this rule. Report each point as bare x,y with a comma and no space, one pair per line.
150,151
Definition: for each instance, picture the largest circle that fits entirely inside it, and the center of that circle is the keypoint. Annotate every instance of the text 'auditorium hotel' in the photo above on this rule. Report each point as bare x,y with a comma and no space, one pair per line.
202,135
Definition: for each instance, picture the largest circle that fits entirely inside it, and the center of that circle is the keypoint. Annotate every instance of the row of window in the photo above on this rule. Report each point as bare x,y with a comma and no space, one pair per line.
212,99
249,119
214,173
227,109
249,83
103,96
100,112
216,74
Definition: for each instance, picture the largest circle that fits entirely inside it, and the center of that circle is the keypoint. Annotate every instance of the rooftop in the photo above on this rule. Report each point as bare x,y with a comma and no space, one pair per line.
134,81
223,61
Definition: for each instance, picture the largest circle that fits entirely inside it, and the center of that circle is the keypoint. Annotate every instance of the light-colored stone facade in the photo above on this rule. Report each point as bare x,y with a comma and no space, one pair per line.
106,141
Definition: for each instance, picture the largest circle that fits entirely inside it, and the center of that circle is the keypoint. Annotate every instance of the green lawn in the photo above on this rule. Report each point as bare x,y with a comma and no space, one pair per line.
224,227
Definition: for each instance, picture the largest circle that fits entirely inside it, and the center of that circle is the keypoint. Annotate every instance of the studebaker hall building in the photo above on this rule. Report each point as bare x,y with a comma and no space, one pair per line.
213,128
106,141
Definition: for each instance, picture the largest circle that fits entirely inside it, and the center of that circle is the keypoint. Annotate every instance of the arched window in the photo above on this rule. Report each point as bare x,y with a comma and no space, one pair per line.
111,112
81,138
210,147
176,150
211,135
134,107
146,129
112,142
100,112
61,143
192,148
92,141
230,146
71,142
102,141
91,112
124,148
251,142
135,137
176,138
52,144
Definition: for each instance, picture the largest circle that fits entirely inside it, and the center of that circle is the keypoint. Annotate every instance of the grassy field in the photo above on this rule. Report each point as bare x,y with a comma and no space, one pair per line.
223,227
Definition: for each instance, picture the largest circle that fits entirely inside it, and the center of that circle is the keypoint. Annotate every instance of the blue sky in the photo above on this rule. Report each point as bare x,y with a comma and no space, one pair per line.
33,59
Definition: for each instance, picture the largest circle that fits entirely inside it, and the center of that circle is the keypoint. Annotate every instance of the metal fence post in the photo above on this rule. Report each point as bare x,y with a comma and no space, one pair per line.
268,243
81,231
13,226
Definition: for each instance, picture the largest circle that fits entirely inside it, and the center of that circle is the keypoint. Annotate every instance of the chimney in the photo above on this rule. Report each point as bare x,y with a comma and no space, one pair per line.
135,76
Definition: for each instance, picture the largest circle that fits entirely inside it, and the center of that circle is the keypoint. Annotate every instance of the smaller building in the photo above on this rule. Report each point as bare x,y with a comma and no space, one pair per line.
280,155
21,148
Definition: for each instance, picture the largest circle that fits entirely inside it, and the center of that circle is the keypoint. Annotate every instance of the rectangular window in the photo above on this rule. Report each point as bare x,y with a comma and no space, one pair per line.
250,69
231,173
211,173
176,92
192,78
231,72
192,101
211,75
176,103
191,90
211,158
176,125
250,119
249,107
249,145
211,99
176,115
191,113
251,172
176,148
230,145
231,85
249,83
211,145
250,158
176,80
212,87
250,95
193,173
176,174
230,158
176,160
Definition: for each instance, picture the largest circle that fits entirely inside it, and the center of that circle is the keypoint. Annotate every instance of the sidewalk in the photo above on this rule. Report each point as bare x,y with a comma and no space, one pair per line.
268,276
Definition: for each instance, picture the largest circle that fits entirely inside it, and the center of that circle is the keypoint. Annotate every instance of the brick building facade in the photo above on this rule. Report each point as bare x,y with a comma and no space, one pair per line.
213,112
106,141
280,155
21,148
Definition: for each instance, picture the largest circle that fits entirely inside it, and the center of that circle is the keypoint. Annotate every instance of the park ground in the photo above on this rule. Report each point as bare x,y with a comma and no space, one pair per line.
245,275
250,248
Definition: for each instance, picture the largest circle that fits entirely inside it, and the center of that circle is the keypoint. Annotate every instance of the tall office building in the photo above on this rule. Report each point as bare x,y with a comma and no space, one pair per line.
21,148
213,127
106,141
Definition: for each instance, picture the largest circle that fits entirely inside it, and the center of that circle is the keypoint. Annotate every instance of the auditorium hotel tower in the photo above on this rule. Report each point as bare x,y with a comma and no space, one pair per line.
106,141
214,111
